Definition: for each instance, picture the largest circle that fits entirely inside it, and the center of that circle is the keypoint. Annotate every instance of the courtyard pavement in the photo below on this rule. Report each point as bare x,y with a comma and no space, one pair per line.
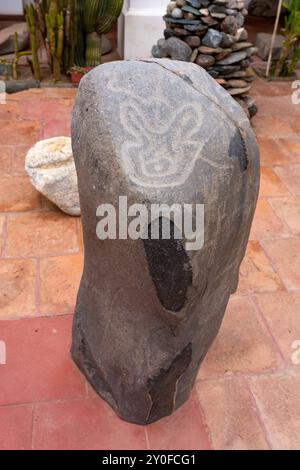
247,395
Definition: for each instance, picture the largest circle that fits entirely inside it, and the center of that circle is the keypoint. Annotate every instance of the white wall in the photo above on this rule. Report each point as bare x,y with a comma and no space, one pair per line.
140,26
11,7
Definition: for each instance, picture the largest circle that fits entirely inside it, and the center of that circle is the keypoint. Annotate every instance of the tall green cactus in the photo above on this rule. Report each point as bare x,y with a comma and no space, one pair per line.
70,31
31,20
55,36
52,26
69,48
96,17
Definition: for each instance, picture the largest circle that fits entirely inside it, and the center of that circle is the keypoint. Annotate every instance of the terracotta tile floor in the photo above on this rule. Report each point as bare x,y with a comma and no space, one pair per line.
248,392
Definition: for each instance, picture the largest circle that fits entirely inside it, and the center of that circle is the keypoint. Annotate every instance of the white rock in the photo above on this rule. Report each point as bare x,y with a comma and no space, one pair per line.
170,7
177,13
51,169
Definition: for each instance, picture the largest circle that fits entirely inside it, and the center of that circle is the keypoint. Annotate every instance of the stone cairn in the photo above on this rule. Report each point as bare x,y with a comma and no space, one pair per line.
211,34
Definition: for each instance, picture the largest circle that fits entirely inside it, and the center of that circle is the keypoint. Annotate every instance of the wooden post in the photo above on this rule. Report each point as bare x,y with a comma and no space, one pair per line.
273,37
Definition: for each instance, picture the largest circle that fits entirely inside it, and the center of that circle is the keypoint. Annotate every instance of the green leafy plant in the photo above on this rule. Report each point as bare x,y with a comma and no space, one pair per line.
94,18
290,53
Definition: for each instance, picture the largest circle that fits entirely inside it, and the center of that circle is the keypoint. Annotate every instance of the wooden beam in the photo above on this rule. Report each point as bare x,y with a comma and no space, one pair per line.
273,37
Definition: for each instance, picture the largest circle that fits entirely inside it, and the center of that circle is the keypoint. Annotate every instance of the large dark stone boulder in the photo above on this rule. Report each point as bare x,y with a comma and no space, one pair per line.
158,131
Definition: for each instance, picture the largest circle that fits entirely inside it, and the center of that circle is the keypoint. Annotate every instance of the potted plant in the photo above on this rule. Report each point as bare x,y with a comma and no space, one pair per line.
290,53
76,73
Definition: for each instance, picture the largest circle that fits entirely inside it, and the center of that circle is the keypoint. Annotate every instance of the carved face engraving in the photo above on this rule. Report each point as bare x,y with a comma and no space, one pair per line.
163,143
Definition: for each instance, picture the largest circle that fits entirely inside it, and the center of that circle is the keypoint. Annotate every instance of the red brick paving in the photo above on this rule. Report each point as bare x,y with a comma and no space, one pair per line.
231,415
256,272
16,427
247,395
183,430
85,424
38,364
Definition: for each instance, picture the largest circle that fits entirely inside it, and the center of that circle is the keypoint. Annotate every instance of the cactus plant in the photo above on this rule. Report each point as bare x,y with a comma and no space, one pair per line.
31,20
17,56
55,36
96,17
69,49
70,31
60,26
41,8
52,23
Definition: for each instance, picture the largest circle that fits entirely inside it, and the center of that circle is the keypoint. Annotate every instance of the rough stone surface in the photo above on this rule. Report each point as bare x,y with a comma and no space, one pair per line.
170,7
229,25
205,60
248,105
209,50
235,83
193,41
239,91
194,55
212,38
179,32
180,3
265,8
15,86
157,131
181,21
224,53
241,35
177,13
240,19
239,46
7,38
190,9
263,44
233,58
207,22
226,69
168,33
51,169
217,9
227,40
107,46
174,48
195,3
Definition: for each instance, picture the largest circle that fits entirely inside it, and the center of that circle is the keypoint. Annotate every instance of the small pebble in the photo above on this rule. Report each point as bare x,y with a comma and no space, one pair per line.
170,7
205,61
177,13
